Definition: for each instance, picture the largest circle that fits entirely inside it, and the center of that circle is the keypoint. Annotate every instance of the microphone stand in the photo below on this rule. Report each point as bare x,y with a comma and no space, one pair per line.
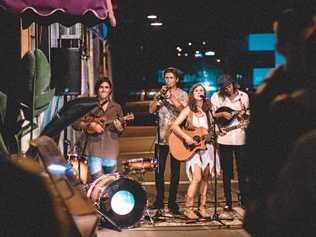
157,121
216,216
157,148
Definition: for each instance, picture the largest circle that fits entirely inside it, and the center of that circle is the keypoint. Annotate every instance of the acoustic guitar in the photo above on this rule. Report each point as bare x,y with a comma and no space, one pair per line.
103,122
223,122
181,151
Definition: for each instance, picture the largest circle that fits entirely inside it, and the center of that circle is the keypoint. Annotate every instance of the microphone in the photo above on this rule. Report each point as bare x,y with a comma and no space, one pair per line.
203,97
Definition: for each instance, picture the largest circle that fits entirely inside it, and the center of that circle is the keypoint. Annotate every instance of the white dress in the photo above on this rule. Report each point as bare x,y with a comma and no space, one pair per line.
204,157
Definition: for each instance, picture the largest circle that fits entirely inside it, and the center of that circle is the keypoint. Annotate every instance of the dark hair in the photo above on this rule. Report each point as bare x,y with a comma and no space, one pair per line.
172,70
291,23
192,102
100,81
222,92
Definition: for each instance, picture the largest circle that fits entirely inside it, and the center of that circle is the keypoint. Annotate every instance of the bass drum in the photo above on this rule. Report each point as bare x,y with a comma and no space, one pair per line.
122,200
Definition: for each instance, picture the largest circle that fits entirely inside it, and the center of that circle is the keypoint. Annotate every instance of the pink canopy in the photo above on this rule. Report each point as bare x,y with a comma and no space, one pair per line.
66,12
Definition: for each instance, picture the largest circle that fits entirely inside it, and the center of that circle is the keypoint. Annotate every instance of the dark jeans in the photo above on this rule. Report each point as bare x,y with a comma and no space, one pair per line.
227,154
159,177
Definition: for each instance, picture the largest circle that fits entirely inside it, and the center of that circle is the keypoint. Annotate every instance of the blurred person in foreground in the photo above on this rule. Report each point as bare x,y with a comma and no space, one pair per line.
284,108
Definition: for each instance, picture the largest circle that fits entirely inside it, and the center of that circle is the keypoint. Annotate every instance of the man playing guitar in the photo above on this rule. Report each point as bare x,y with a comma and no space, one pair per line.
232,143
101,142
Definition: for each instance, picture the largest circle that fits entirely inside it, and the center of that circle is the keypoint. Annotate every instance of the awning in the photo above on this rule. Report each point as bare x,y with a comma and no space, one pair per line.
66,12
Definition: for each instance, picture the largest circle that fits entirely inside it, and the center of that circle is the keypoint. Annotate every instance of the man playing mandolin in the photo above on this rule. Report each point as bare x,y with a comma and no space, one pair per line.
101,138
201,163
231,108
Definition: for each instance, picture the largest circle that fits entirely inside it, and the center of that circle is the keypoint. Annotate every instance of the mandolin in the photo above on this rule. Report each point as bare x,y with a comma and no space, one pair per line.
181,151
103,122
223,122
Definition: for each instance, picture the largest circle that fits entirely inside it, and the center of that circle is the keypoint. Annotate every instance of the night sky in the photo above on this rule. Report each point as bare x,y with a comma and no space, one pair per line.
140,50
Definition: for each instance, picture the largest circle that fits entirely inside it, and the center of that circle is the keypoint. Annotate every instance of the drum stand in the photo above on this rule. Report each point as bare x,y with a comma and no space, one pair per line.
147,215
108,219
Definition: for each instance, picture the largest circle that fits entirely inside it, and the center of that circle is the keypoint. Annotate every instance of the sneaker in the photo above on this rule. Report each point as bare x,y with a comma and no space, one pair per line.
158,214
228,208
175,212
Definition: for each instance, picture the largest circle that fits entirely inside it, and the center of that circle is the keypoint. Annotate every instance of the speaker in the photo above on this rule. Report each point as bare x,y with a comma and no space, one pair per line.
66,70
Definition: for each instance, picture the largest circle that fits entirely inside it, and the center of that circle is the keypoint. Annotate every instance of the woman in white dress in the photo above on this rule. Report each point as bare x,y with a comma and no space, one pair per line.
201,164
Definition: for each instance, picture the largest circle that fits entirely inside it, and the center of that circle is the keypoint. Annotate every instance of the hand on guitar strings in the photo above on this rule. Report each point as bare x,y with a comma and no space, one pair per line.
190,141
118,125
95,127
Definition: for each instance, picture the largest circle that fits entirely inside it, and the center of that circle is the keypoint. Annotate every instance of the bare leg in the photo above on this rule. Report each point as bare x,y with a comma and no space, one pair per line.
203,193
192,189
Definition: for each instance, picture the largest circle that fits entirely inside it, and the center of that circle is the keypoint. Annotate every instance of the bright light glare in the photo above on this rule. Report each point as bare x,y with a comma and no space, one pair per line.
123,202
151,17
218,60
189,43
209,53
156,24
57,168
179,49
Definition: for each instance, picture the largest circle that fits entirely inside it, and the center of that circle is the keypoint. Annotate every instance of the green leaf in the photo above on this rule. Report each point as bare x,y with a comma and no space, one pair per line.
35,69
41,104
3,147
3,107
42,73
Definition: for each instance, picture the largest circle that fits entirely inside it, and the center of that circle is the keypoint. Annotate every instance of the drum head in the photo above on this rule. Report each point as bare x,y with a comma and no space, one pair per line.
123,201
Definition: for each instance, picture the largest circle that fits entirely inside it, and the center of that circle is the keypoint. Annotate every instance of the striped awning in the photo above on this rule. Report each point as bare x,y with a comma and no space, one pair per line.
66,12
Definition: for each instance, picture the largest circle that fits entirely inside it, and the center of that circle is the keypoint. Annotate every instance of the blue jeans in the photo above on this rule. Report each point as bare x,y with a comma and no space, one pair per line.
98,166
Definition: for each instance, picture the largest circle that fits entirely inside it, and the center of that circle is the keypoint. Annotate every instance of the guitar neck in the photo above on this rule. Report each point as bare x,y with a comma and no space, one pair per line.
228,129
112,120
233,127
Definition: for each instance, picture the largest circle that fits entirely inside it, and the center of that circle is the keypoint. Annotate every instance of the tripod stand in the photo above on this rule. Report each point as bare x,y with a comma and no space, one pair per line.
216,216
157,152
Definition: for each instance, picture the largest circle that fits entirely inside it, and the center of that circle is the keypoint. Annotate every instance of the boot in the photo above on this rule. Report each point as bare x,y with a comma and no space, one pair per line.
202,207
188,211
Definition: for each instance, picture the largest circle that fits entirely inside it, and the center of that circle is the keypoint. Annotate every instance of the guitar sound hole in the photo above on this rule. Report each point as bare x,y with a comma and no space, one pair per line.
197,139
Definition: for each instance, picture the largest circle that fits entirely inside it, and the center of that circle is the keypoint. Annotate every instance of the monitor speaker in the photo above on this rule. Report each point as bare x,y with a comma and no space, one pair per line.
66,70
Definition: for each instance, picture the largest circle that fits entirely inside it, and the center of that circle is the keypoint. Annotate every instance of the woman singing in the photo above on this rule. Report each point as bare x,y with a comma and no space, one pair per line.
201,164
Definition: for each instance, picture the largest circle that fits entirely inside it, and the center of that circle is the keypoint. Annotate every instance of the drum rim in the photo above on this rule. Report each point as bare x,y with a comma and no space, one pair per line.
138,210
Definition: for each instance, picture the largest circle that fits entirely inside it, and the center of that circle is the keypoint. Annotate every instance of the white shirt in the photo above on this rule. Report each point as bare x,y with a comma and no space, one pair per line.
241,101
205,157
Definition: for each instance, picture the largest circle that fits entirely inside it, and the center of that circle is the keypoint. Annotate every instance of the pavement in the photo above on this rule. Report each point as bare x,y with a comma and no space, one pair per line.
136,145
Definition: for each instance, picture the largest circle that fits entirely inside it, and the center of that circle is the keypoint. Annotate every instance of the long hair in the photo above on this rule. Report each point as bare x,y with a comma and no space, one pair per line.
222,94
192,102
